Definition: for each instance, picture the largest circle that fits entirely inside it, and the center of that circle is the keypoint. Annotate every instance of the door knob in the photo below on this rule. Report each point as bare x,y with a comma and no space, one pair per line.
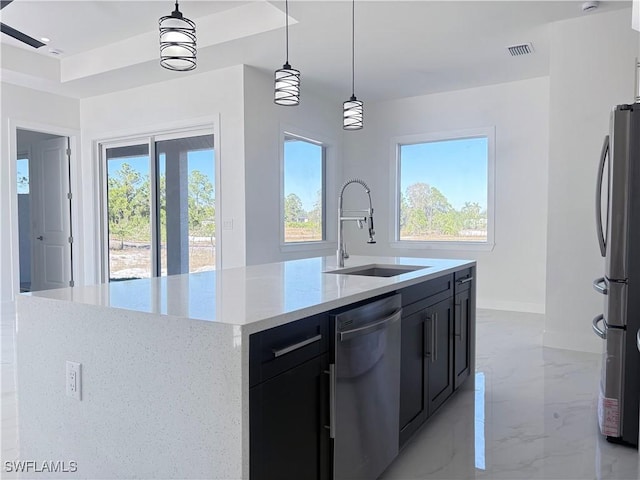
40,237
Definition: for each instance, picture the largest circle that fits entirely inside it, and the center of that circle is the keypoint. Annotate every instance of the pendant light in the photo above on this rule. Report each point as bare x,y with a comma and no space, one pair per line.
352,108
287,79
177,42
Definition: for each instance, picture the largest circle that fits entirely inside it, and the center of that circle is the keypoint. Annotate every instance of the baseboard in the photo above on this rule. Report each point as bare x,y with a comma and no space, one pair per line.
578,341
511,306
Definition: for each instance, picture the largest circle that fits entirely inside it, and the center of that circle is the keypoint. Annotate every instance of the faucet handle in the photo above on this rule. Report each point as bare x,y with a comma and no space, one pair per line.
344,251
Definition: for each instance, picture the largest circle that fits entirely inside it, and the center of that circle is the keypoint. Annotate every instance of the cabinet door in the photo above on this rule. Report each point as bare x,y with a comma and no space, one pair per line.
438,335
461,347
288,414
412,364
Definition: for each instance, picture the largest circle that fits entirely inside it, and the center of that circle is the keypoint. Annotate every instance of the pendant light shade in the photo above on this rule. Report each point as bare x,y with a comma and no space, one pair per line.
352,114
287,86
352,109
177,42
287,79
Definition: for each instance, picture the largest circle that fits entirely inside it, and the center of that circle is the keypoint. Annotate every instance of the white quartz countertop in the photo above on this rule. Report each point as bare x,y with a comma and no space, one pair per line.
258,296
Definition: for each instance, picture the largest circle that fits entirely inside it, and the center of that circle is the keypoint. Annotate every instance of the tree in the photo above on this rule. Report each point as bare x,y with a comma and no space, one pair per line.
404,211
473,216
129,211
201,199
426,204
315,215
293,210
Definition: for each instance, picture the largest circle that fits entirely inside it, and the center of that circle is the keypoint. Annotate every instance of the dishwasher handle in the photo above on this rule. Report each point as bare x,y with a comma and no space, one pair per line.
372,327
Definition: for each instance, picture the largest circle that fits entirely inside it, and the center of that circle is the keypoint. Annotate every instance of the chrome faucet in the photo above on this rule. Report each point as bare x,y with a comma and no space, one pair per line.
358,216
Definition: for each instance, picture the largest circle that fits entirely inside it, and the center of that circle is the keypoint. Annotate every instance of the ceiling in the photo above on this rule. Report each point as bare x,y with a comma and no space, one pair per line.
403,48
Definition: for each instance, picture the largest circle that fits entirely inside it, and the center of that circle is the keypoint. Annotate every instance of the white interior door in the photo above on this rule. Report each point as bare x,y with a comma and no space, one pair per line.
50,214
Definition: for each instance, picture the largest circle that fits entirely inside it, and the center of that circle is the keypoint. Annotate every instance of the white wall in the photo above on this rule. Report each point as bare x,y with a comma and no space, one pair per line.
315,117
191,100
512,275
591,70
36,110
24,236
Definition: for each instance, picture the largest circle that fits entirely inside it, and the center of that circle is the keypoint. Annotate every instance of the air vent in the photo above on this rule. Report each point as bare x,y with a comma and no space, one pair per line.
517,50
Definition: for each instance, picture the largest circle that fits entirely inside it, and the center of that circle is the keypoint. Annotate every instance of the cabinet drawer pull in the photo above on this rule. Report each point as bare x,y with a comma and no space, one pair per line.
429,353
464,280
296,346
332,400
332,404
435,337
457,332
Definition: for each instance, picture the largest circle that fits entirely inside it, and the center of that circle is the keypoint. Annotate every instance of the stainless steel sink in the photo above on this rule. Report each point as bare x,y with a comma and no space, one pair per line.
378,270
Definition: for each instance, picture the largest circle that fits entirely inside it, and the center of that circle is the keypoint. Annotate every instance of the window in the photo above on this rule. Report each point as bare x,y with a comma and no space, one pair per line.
445,189
22,166
303,202
160,213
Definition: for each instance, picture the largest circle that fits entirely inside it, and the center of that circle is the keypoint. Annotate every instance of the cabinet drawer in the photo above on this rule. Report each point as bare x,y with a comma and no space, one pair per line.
463,279
429,288
278,349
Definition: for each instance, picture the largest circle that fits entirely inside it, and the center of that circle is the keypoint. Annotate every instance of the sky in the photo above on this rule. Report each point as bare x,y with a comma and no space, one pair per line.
458,168
22,166
303,171
201,160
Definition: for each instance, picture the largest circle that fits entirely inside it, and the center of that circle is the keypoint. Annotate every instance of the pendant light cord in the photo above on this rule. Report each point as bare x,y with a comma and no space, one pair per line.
353,49
286,10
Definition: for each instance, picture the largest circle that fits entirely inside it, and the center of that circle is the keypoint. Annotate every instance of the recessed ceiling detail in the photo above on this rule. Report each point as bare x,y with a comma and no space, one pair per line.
518,50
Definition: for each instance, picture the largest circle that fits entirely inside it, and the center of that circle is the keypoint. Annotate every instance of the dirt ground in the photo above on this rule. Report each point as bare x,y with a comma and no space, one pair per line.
134,260
300,234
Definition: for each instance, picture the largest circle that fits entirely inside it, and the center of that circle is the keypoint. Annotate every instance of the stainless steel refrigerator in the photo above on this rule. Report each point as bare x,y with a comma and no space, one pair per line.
618,228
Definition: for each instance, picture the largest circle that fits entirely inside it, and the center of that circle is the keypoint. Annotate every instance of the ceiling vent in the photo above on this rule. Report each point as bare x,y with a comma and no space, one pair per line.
517,50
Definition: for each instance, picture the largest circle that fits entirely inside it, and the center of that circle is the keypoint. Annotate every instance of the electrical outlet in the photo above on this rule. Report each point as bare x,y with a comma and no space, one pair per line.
227,224
74,380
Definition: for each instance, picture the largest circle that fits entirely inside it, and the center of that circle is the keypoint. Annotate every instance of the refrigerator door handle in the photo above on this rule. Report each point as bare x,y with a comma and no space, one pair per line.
600,231
600,286
597,330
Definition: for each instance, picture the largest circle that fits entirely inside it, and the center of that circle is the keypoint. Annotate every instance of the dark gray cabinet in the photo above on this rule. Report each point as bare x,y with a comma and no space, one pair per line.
289,381
426,356
413,402
437,346
439,354
463,347
287,414
288,401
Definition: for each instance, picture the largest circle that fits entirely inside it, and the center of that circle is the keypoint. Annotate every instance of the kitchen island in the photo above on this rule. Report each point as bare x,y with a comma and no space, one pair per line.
165,373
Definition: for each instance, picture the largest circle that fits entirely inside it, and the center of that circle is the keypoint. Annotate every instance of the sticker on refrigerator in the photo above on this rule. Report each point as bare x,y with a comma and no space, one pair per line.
609,416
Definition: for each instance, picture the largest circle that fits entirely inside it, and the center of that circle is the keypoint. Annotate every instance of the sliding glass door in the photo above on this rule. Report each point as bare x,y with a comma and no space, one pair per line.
159,206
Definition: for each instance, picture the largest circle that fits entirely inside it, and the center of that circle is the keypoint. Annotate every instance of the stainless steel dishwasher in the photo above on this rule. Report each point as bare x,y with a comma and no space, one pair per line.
365,388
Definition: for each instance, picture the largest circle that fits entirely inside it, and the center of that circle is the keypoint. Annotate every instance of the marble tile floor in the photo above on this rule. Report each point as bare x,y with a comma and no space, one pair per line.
531,416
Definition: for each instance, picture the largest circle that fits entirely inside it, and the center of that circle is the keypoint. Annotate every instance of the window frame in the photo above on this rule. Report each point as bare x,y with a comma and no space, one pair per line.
150,138
395,189
289,132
